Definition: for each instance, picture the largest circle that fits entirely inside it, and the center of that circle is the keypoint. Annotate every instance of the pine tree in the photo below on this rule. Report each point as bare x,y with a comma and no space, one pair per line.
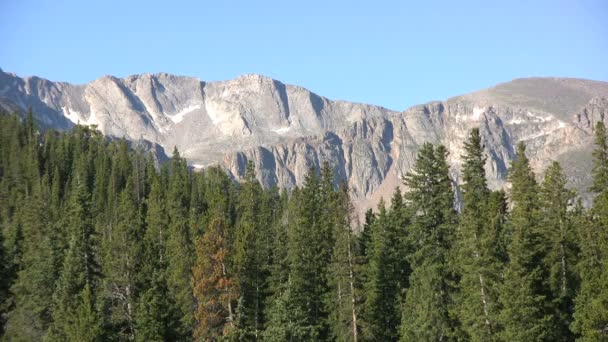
79,266
475,258
179,242
34,286
4,281
278,261
249,255
380,311
308,255
425,313
287,321
121,262
591,311
342,305
214,288
365,235
562,255
155,317
525,315
600,159
155,236
84,321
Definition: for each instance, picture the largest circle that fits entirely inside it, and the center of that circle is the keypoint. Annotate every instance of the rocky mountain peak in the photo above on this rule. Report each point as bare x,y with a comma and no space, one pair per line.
285,130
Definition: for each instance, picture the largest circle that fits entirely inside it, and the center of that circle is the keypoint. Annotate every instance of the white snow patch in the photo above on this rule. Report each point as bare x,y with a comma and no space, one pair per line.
477,113
76,117
72,115
282,130
179,116
198,166
561,125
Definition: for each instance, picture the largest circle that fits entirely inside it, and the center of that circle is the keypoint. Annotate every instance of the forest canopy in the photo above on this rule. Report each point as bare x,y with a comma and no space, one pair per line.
98,241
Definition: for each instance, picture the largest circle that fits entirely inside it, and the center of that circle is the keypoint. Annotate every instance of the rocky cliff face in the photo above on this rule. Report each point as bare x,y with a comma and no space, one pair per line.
287,129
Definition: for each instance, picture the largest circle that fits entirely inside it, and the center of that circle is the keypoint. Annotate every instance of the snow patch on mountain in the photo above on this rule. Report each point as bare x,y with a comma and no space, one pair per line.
78,119
179,116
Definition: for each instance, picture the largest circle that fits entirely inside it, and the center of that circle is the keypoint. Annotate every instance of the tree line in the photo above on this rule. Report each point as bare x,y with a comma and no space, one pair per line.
99,243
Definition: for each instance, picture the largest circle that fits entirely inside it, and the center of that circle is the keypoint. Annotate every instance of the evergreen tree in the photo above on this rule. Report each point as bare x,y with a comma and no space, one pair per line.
591,314
4,281
155,316
249,255
84,321
278,261
380,311
214,288
525,315
121,262
34,286
425,313
308,256
342,306
475,258
79,265
287,322
562,255
600,159
365,235
179,243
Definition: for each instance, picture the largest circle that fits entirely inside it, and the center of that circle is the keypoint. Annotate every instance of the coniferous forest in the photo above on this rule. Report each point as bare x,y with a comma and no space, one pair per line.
101,243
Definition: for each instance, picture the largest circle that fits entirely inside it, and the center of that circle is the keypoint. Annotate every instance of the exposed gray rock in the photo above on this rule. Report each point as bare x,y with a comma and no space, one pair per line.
286,129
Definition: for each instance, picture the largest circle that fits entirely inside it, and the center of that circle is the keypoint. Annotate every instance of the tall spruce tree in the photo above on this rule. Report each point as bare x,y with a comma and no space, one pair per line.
248,257
380,311
307,258
425,313
591,314
475,259
157,317
85,323
525,315
276,308
121,263
80,265
179,249
35,283
561,257
341,304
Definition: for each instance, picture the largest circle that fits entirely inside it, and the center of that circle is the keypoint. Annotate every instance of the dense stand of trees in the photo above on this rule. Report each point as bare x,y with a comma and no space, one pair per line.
99,243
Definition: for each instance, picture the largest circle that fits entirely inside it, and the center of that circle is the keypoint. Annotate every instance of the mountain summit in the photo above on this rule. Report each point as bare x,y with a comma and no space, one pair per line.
286,129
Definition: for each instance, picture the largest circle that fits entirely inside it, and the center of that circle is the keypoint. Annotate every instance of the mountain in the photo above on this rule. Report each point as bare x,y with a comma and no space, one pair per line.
287,129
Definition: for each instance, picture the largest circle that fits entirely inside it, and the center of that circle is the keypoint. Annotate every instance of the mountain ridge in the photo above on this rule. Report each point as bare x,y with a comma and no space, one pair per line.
287,129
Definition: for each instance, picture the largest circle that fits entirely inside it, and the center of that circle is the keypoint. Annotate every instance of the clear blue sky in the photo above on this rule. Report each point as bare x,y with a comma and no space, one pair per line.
390,53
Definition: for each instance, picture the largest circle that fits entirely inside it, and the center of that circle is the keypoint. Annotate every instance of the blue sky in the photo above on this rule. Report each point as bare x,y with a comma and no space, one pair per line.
390,53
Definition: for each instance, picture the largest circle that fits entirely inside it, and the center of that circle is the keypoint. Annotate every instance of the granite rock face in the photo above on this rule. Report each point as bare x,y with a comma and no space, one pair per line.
285,130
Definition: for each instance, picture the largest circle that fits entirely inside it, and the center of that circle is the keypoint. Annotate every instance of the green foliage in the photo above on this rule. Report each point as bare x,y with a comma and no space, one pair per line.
425,313
562,254
179,248
97,242
308,255
250,254
526,314
84,321
591,310
380,311
341,301
476,260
